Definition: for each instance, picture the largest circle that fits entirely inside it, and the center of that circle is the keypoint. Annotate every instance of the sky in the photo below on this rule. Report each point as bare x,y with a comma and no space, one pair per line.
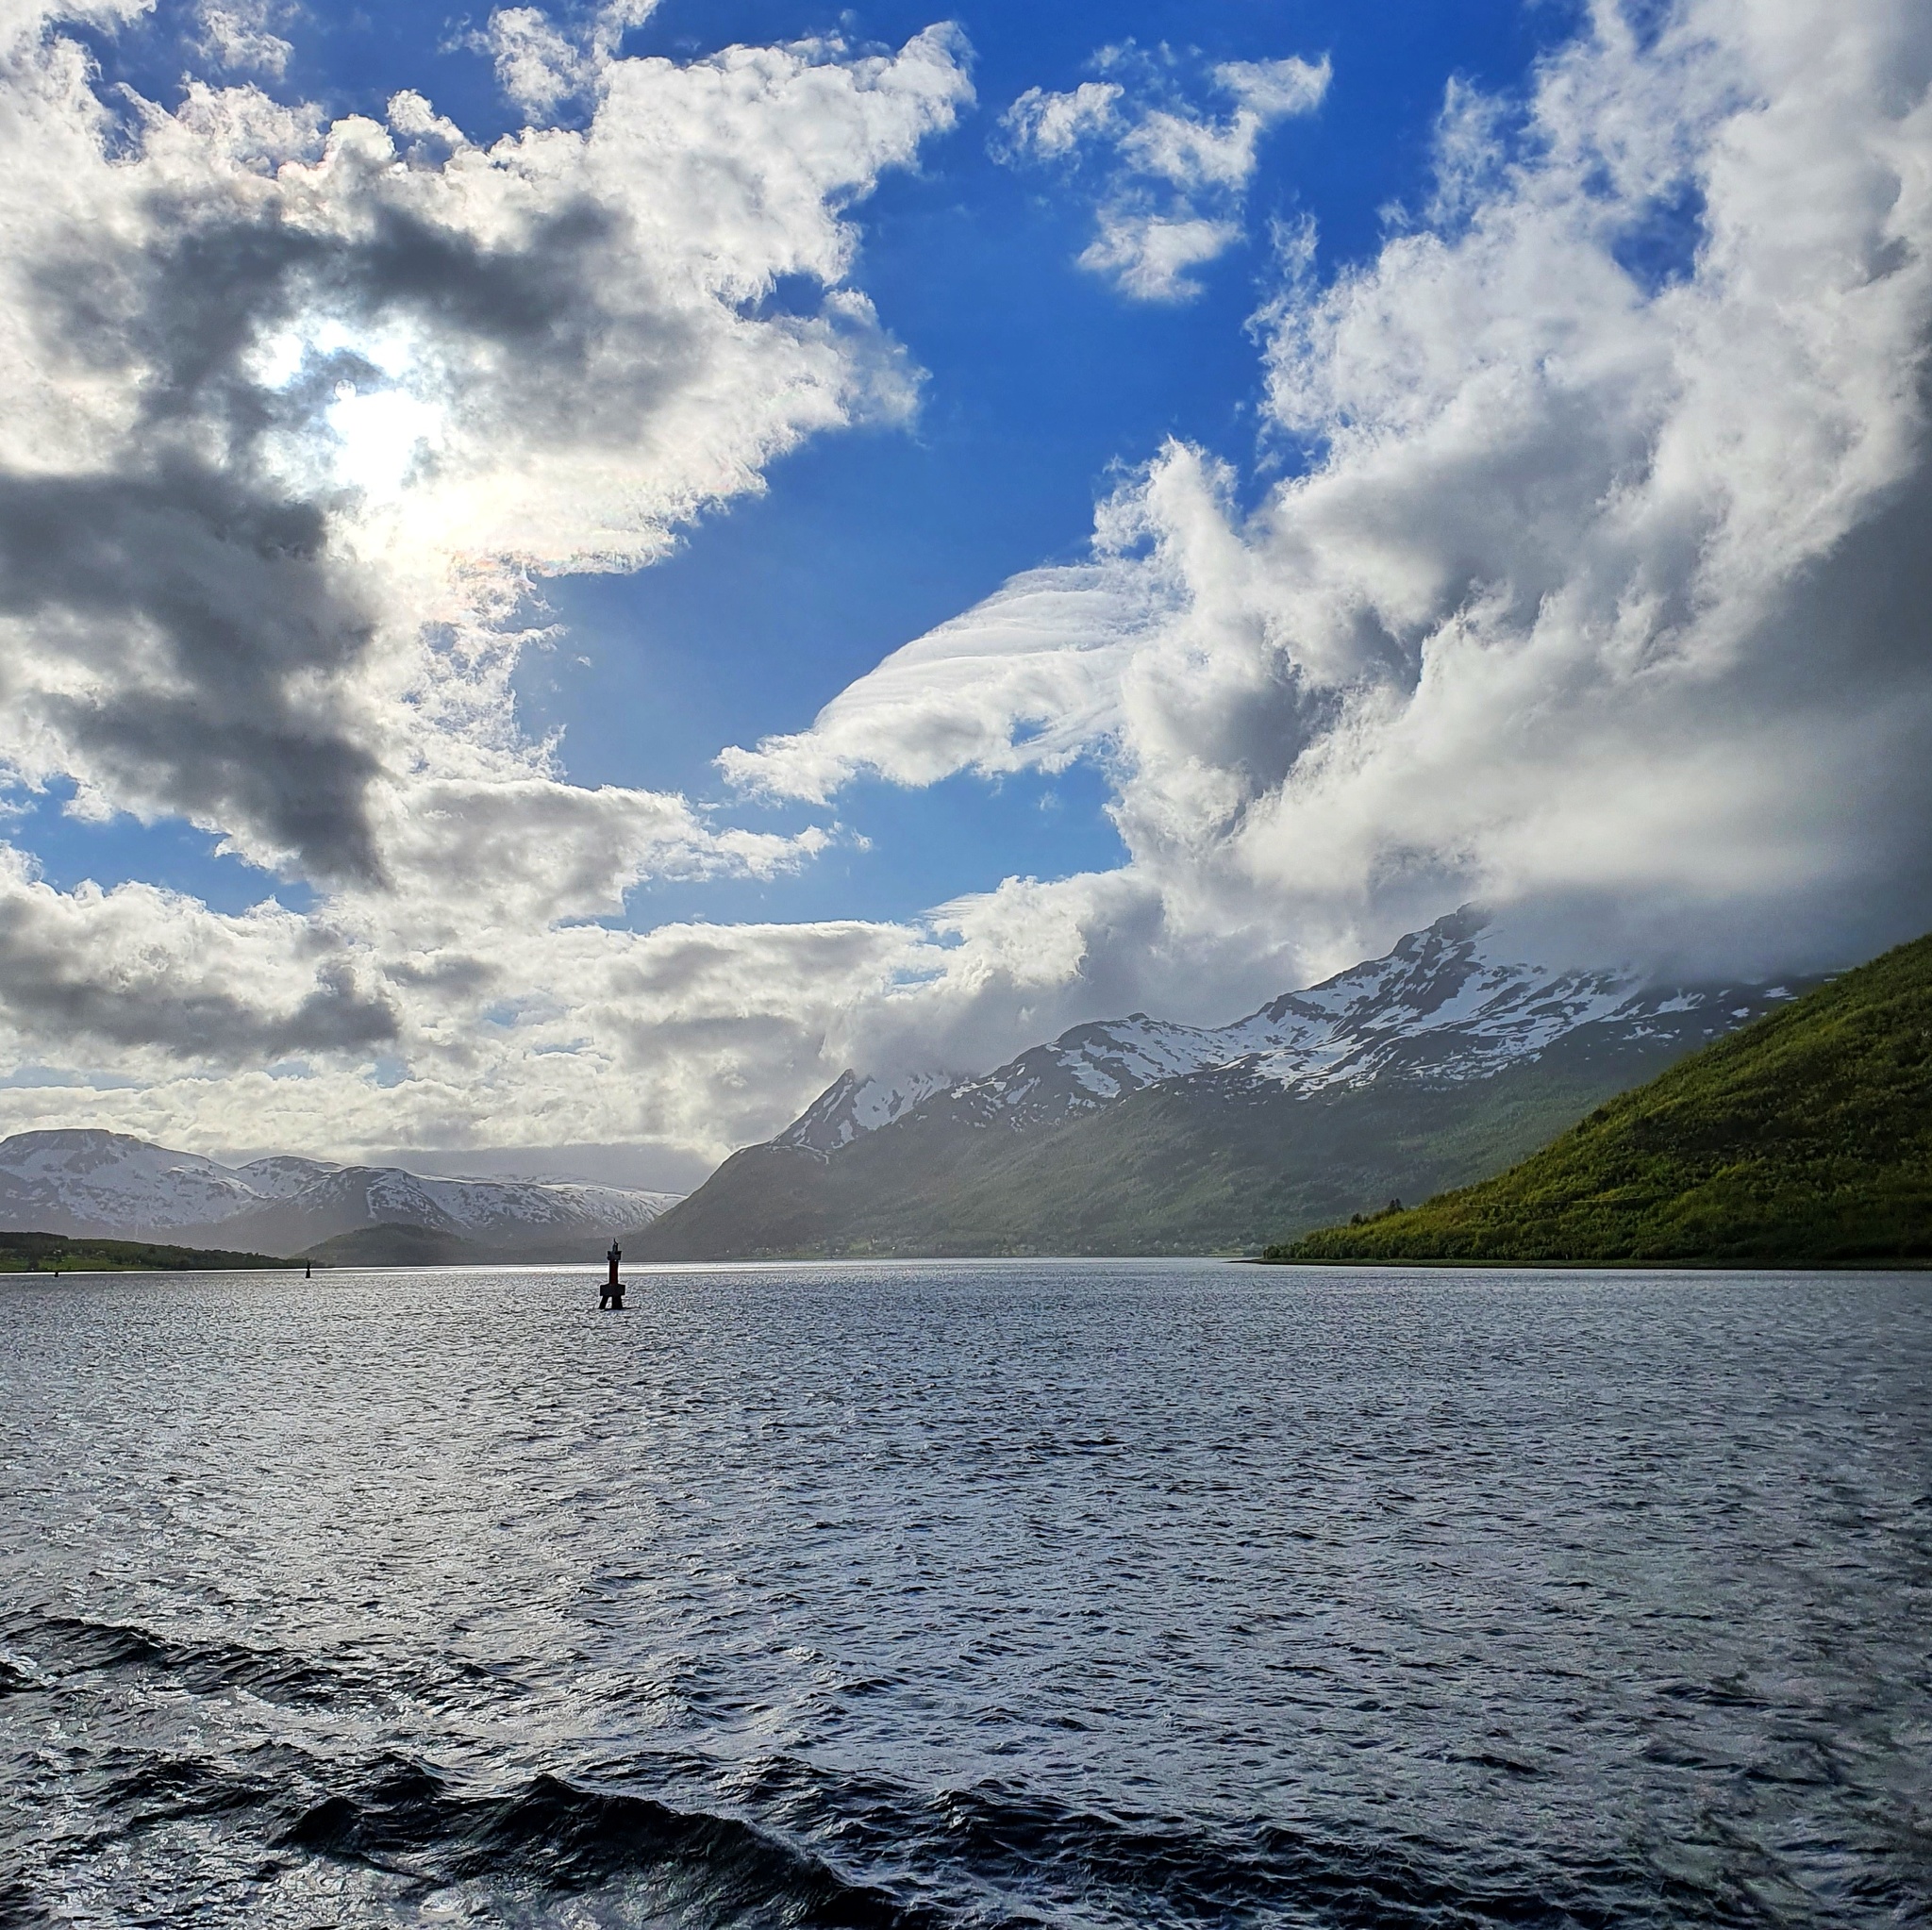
566,574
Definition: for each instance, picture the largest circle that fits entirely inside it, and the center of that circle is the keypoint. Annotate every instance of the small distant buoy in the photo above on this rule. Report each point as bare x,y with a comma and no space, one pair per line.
308,1270
612,1295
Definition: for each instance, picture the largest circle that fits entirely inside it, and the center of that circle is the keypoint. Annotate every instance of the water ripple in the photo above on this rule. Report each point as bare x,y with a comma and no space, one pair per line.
953,1595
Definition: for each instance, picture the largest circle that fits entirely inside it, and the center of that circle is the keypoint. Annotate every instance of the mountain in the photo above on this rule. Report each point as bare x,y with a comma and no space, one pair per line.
102,1184
394,1243
1805,1138
850,1107
1436,1064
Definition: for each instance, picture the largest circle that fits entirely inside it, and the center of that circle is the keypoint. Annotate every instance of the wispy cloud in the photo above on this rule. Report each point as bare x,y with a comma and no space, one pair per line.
1172,175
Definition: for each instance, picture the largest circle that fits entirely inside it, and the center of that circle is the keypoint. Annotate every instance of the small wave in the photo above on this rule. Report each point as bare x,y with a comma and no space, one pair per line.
64,1645
71,1644
990,1856
19,1908
708,1869
1180,1872
16,1679
1048,1862
66,1642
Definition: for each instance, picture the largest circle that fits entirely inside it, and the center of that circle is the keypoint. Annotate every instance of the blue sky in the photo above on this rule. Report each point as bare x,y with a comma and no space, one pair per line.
1041,383
568,572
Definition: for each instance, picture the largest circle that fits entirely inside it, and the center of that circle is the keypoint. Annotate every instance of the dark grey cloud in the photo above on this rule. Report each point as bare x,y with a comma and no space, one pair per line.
215,632
144,997
189,302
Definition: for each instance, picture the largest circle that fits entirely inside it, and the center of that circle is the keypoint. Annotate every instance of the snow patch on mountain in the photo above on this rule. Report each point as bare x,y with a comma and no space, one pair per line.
1445,1005
89,1182
112,1178
851,1107
283,1175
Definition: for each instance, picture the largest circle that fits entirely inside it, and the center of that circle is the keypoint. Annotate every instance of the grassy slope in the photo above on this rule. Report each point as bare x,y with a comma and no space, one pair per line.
1168,1170
1804,1138
25,1252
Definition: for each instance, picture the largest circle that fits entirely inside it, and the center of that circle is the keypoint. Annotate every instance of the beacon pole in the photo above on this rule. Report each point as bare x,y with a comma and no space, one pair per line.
612,1295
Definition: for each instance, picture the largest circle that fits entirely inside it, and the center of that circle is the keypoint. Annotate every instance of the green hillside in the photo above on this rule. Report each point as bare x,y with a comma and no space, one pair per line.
1803,1138
49,1253
397,1243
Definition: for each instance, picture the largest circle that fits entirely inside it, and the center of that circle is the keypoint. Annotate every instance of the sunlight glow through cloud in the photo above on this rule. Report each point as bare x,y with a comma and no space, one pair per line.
381,435
1532,569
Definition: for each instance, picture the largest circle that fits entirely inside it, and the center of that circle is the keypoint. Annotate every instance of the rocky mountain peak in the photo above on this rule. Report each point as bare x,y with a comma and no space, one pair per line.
1444,1003
852,1106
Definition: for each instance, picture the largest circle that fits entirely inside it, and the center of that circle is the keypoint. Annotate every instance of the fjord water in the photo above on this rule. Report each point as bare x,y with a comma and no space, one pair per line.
1024,1593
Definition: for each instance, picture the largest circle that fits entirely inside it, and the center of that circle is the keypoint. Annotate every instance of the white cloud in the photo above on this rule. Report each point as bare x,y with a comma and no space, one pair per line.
538,66
1604,588
237,35
1270,89
1606,584
542,66
1026,680
293,415
26,22
1148,255
1051,126
1175,178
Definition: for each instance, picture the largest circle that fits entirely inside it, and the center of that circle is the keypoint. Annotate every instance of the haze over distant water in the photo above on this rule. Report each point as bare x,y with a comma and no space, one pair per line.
1096,1595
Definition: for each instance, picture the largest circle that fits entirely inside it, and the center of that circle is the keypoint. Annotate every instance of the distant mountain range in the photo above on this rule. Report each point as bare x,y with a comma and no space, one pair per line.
100,1184
1435,1065
1803,1139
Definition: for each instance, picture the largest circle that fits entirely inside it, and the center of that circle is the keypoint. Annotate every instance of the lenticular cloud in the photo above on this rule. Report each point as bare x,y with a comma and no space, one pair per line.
1606,575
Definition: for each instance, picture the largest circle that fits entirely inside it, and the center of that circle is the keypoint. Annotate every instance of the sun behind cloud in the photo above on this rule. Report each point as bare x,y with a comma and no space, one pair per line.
1571,563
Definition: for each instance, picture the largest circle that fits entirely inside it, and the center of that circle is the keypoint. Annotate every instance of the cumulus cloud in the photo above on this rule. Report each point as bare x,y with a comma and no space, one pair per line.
293,414
145,968
1173,178
1592,578
1604,583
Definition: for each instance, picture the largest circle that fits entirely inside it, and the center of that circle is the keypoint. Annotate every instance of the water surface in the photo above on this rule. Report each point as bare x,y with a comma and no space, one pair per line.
1080,1594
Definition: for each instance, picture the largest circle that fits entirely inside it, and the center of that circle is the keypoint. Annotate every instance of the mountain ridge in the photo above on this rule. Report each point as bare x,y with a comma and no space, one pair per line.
1138,1134
89,1183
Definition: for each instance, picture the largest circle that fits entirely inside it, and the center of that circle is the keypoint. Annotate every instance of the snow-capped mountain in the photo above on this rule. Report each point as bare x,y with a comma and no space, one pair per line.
1429,1066
851,1106
101,1180
87,1182
1444,1005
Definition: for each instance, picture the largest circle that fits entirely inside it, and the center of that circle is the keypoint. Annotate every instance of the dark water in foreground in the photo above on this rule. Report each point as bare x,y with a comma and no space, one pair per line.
1071,1594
